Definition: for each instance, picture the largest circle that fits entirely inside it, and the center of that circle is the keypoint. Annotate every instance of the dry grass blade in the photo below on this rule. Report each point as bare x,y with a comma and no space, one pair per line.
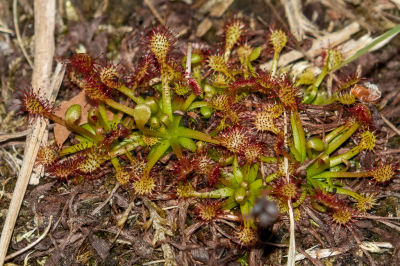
292,243
107,200
44,43
155,12
370,259
5,137
298,23
342,9
54,88
33,243
387,122
17,33
332,39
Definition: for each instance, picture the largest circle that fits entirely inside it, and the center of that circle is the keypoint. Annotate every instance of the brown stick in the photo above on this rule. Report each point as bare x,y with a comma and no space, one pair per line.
44,42
33,243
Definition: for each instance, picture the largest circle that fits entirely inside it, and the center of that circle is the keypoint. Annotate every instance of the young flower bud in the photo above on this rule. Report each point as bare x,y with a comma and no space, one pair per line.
244,53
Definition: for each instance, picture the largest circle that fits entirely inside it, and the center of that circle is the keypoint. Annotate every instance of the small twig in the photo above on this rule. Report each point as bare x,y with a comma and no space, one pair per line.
189,60
21,44
32,244
390,125
153,262
44,52
371,260
332,39
169,208
314,261
389,224
154,11
341,9
6,30
292,246
388,152
106,201
277,15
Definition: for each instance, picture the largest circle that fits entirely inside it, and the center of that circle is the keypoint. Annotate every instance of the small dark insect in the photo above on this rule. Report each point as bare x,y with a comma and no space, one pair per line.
265,212
185,117
145,92
115,79
334,191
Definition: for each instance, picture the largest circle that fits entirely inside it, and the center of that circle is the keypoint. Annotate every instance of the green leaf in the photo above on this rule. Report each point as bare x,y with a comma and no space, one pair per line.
255,54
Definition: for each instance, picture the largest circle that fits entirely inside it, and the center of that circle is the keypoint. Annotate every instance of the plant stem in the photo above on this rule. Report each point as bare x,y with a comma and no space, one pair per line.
341,175
269,159
301,199
166,94
130,93
176,147
364,50
339,190
103,113
313,89
275,61
298,135
193,134
333,134
158,153
345,156
120,107
72,127
198,105
333,146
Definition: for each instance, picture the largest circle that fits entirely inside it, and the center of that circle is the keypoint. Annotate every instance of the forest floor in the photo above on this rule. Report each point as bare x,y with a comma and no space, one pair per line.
114,29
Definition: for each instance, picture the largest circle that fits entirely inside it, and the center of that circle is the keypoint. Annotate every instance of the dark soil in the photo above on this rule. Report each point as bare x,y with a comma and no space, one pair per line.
85,239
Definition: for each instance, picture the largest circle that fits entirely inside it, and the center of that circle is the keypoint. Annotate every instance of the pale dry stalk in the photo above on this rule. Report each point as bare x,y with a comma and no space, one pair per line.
44,12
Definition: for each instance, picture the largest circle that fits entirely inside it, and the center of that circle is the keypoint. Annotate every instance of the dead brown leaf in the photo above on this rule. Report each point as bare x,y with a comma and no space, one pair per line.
61,133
